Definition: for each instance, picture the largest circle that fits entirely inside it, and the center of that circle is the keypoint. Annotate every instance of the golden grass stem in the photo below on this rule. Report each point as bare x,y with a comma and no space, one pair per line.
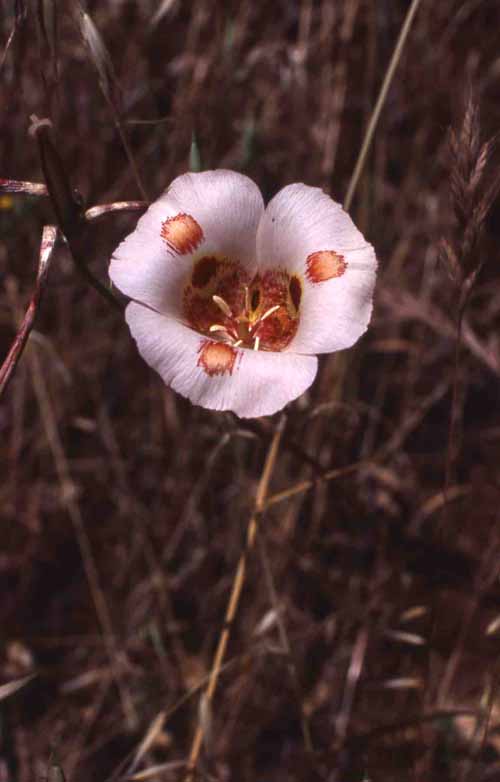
236,590
375,115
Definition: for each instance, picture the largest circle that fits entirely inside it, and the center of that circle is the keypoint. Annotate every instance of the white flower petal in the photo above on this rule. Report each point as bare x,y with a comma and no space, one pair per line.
305,232
334,314
199,214
215,375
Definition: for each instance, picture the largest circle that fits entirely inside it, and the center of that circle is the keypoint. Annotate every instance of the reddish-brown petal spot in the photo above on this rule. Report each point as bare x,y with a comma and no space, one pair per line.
325,265
182,233
204,271
216,358
295,289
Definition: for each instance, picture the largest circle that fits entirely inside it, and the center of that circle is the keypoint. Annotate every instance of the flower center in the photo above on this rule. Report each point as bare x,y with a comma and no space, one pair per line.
223,302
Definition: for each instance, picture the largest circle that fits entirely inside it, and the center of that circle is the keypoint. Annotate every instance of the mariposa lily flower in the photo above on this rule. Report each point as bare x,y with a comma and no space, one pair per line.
232,301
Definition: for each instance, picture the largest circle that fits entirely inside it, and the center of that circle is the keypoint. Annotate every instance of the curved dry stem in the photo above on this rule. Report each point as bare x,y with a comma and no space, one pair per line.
49,238
96,212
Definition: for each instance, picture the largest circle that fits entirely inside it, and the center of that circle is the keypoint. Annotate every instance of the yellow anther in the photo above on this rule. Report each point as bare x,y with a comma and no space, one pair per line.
223,305
217,327
269,312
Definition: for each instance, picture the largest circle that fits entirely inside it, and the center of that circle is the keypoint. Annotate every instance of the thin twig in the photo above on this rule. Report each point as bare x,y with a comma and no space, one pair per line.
303,486
234,599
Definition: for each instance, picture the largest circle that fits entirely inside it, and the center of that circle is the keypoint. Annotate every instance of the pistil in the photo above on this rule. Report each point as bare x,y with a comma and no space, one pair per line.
241,328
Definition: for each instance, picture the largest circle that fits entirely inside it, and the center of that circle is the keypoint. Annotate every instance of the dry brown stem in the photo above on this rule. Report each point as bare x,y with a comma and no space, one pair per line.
8,367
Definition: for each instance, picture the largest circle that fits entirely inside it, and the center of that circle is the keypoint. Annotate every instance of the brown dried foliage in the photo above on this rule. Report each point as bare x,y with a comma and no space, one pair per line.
369,617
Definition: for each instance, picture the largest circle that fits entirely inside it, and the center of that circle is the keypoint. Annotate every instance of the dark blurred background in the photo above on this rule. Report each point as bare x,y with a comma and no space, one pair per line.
123,508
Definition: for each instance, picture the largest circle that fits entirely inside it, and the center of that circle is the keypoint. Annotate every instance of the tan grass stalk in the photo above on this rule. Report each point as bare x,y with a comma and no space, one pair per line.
236,590
372,124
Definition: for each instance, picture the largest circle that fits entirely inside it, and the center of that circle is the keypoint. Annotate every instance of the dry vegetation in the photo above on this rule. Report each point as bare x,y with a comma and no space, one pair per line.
369,620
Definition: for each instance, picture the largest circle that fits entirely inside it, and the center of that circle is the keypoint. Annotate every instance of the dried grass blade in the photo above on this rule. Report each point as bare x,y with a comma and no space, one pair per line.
6,690
99,56
149,739
108,81
405,638
7,47
165,7
154,771
47,16
403,683
20,17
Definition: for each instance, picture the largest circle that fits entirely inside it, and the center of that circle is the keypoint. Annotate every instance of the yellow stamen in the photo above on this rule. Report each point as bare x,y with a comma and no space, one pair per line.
256,343
223,305
217,327
269,312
